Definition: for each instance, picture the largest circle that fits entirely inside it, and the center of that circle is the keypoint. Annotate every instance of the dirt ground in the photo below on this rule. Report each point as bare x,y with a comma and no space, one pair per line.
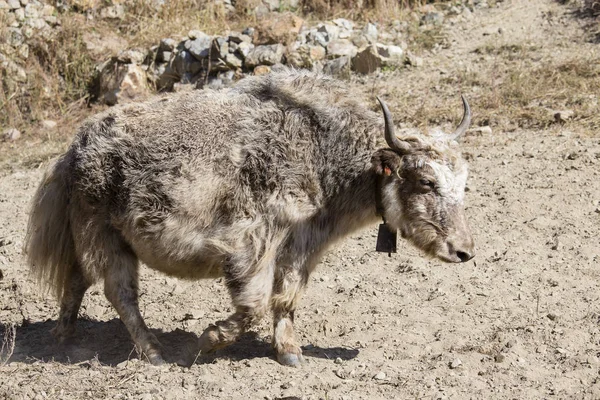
519,321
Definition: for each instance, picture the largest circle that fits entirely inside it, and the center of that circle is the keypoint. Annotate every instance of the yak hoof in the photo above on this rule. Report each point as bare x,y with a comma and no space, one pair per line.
290,359
156,359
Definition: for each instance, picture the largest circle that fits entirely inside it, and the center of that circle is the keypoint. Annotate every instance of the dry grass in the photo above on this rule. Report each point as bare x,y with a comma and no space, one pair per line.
9,338
509,87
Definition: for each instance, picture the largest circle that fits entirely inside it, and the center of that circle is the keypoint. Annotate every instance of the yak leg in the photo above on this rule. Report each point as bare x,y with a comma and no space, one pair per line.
74,289
288,291
250,295
224,333
121,289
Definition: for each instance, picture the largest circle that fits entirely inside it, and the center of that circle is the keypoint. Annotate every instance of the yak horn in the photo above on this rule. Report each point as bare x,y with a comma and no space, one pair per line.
464,122
390,135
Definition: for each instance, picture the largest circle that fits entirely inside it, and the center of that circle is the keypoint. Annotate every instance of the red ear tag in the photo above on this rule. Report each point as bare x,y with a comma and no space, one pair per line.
387,171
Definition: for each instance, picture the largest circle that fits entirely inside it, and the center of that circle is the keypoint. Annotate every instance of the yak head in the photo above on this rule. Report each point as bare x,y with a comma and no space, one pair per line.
421,189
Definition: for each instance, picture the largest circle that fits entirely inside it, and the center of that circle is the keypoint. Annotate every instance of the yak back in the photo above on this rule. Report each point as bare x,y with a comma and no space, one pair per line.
287,138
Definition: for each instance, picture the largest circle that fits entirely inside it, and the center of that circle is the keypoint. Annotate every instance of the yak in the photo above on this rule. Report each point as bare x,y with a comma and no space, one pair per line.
253,184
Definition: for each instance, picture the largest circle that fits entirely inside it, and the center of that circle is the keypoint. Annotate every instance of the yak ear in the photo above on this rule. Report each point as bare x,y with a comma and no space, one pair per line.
386,162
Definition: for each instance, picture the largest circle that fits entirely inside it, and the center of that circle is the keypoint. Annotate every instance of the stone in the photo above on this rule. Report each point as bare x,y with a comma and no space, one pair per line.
392,55
264,55
219,48
23,51
48,10
244,48
433,18
36,23
19,14
199,46
4,5
14,4
289,4
167,44
48,124
262,70
305,56
85,5
184,62
238,38
367,61
278,28
272,5
339,67
227,77
369,31
317,38
563,115
27,31
482,130
381,376
413,60
11,134
344,23
17,73
131,56
120,83
113,12
15,37
233,61
51,20
455,363
164,56
330,31
316,53
360,41
340,48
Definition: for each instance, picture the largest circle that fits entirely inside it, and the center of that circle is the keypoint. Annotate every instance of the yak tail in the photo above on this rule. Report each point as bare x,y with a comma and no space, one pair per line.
49,244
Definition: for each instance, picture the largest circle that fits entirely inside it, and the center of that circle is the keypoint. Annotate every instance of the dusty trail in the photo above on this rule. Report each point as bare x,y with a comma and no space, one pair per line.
522,320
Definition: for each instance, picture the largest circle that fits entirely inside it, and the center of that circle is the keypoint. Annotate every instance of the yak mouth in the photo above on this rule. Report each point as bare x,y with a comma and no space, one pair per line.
431,239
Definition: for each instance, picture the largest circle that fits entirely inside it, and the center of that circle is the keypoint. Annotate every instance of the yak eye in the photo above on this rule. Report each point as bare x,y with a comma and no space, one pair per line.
427,182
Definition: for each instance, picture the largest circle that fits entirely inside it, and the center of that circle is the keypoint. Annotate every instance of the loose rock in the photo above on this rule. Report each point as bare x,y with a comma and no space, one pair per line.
264,55
380,376
11,134
278,28
367,61
199,45
564,115
339,67
48,124
341,48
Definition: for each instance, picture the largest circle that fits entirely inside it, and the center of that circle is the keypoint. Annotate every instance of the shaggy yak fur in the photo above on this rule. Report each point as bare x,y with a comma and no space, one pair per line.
251,184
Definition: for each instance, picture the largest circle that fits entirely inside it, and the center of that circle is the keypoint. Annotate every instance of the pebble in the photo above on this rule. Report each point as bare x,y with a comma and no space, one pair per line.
380,376
499,358
338,360
552,316
455,363
11,134
482,130
564,115
48,124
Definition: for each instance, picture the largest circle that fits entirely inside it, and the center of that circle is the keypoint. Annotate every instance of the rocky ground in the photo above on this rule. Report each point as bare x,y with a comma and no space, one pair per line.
521,320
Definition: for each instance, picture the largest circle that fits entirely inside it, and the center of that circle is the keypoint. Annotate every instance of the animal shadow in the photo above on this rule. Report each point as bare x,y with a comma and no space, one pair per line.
110,343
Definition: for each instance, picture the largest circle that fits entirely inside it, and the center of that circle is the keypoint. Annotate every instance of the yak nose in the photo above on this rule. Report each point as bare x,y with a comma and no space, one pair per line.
463,252
464,256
